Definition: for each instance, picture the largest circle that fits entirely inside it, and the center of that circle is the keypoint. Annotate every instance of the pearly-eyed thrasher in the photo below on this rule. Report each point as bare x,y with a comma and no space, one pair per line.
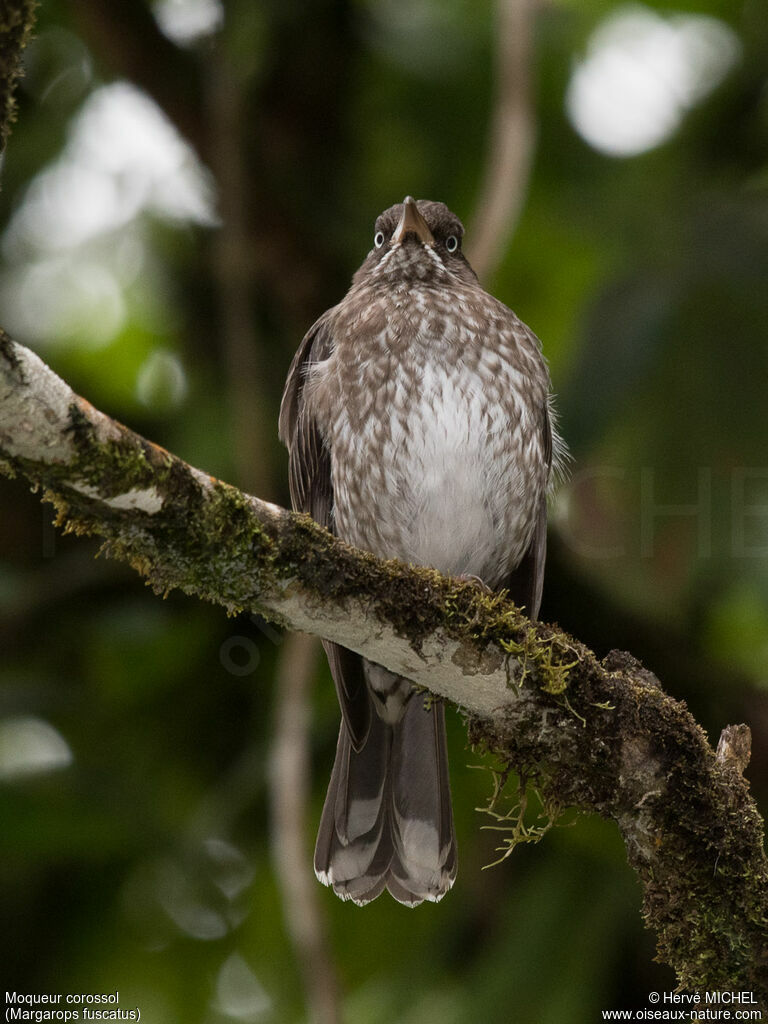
418,422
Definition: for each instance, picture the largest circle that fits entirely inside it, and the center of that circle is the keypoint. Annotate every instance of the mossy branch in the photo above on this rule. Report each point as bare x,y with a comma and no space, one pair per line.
596,736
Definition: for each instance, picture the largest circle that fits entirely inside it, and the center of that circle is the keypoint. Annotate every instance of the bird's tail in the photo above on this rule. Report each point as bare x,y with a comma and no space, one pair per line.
387,820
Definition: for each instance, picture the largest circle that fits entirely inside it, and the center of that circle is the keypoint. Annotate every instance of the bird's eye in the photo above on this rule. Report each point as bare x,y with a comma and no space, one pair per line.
378,239
451,243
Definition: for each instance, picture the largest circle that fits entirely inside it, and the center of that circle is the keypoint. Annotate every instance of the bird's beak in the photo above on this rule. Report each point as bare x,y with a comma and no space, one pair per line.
412,220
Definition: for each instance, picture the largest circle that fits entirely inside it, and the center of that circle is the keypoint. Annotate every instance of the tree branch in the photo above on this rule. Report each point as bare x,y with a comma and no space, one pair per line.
597,736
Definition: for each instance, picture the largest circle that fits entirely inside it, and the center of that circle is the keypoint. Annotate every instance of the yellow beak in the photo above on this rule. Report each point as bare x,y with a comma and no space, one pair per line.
412,220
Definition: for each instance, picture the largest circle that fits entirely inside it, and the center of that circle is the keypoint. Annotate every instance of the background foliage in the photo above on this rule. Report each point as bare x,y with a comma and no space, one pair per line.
188,186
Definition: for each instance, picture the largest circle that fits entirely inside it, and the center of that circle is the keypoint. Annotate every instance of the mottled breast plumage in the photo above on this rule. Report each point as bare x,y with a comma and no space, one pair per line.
429,405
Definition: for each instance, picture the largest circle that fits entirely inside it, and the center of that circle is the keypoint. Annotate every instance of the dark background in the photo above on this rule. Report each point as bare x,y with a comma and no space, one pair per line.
175,214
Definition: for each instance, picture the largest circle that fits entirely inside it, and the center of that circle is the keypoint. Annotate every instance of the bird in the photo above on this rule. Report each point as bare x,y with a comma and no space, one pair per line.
419,420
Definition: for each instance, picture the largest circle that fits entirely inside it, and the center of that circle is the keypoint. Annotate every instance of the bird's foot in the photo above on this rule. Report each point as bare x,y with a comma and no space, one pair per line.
470,578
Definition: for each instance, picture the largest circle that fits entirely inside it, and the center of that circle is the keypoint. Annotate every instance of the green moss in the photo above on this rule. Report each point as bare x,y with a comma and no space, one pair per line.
206,538
515,825
118,465
541,657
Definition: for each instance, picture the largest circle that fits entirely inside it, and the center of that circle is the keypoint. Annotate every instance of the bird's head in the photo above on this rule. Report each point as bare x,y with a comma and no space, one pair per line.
416,242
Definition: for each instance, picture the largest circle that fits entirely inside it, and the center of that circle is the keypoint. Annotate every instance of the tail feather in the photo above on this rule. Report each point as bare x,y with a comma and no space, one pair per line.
387,820
359,804
422,816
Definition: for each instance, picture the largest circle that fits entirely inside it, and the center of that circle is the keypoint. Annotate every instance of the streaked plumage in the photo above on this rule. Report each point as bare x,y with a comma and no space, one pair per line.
417,418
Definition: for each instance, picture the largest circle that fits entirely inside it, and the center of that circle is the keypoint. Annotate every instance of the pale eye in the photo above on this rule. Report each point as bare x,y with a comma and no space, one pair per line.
378,239
451,243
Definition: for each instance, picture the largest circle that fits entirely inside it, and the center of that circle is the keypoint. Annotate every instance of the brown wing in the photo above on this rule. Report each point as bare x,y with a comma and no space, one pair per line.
309,461
526,582
311,486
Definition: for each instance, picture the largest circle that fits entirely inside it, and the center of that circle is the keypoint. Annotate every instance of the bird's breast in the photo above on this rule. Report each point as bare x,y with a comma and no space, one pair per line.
436,453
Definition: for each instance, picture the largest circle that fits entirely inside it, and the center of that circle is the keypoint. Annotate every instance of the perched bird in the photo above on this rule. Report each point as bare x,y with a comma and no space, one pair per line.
417,415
